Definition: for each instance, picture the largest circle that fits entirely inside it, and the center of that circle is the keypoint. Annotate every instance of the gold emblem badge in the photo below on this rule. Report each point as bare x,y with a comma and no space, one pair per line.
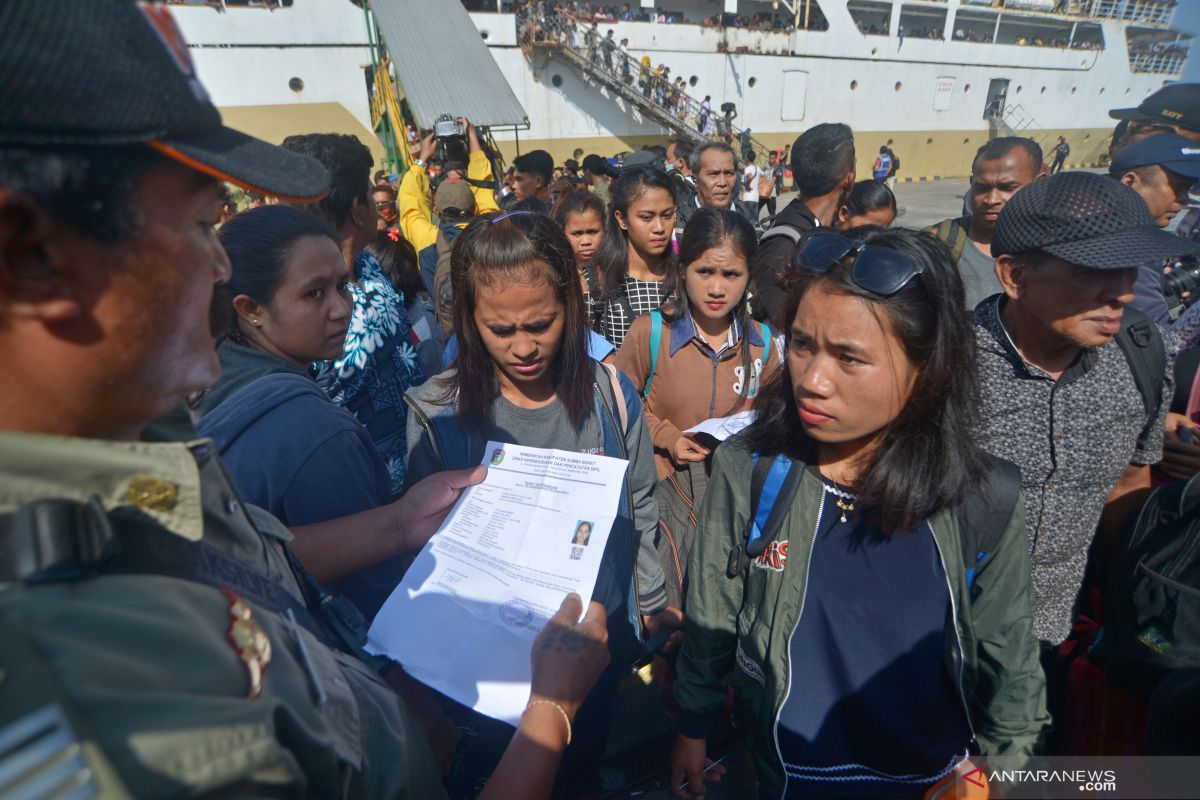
250,640
151,493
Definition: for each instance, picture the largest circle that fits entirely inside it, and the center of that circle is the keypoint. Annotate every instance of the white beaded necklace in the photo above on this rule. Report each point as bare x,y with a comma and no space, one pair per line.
844,500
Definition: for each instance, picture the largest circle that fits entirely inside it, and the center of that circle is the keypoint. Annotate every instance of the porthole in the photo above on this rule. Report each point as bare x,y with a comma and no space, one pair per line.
899,86
1043,90
692,81
1019,89
484,35
556,81
853,85
296,85
1072,90
966,88
753,82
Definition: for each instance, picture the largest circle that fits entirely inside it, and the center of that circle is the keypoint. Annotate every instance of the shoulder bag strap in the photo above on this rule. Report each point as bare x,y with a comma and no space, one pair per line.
618,396
656,329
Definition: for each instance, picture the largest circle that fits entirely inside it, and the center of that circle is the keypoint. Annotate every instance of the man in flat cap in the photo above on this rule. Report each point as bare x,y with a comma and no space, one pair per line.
1076,384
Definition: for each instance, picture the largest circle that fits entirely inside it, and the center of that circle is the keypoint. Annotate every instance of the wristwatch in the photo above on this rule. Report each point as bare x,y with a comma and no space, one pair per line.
418,162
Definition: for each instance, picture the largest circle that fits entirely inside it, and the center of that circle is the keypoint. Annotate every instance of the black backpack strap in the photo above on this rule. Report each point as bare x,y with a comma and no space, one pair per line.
1143,347
985,513
56,540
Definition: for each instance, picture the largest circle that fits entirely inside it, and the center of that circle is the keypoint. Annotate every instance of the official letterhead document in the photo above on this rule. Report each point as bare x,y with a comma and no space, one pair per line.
463,618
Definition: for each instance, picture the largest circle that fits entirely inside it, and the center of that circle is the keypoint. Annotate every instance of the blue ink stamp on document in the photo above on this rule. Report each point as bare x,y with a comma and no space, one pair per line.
516,613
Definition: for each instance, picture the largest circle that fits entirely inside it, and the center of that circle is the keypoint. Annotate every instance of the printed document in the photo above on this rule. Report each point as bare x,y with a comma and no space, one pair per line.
467,611
721,428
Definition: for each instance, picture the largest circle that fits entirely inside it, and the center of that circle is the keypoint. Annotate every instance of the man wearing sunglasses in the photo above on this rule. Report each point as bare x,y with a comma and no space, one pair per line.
1075,385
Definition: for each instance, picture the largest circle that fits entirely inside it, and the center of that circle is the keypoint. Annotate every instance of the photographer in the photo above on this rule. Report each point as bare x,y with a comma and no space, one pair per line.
416,213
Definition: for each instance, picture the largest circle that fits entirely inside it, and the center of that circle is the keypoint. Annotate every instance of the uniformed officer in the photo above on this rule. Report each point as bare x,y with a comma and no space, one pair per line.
158,638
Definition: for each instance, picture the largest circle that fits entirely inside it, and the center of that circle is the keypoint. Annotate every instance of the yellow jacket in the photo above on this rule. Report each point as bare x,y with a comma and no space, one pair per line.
416,211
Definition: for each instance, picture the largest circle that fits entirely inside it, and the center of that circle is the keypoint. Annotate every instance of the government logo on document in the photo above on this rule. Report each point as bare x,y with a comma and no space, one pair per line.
497,457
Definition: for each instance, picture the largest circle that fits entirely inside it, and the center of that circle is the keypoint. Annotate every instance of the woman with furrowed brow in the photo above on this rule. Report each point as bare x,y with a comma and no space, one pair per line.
885,634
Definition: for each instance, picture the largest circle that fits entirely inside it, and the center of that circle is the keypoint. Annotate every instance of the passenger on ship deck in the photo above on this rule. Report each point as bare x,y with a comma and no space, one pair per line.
1001,167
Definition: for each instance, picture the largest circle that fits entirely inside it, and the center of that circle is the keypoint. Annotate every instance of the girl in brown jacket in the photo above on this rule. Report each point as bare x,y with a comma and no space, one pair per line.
709,358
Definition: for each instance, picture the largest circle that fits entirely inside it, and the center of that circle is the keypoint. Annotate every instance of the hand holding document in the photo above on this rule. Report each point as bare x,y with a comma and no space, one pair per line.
721,428
463,618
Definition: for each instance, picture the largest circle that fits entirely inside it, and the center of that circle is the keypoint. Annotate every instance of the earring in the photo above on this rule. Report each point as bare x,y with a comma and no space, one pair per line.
256,323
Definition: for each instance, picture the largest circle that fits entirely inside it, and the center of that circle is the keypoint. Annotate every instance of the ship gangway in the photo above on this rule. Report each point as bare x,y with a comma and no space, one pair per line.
624,76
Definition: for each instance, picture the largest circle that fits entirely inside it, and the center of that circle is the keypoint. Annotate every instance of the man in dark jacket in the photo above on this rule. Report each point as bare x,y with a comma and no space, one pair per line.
823,172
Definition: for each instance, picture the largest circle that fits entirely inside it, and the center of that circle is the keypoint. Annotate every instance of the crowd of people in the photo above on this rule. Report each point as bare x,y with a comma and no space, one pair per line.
232,430
588,12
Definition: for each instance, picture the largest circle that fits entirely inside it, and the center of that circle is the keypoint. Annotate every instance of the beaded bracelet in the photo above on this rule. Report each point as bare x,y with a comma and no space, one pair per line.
560,709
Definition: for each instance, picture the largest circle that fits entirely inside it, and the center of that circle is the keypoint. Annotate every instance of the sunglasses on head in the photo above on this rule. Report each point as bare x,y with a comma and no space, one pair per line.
876,268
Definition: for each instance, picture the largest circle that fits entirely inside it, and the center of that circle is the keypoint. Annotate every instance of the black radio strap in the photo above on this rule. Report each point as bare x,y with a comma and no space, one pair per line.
66,540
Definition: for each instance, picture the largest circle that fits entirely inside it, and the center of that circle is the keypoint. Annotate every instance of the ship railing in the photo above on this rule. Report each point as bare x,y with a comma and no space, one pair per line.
638,82
1153,12
1157,63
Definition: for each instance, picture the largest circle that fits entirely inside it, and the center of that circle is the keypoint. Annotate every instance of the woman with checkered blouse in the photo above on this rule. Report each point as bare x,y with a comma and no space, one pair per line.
637,250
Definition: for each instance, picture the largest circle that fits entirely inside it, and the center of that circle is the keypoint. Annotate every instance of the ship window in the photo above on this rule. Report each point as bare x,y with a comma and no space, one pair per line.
1101,90
853,85
484,35
871,17
899,86
921,22
1072,90
966,88
296,85
556,81
973,26
753,81
1018,88
692,81
1043,90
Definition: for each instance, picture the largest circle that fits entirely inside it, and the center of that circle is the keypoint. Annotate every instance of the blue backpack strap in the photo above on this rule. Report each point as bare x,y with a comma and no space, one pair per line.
773,486
765,333
656,328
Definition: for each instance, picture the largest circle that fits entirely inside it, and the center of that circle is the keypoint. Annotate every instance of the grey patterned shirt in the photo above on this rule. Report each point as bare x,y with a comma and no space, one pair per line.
1072,439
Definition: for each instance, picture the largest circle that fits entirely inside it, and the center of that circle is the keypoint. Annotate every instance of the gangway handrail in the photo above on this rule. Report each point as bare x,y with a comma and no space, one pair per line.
657,98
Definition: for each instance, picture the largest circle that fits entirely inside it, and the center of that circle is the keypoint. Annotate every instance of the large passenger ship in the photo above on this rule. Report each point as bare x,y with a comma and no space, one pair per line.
933,79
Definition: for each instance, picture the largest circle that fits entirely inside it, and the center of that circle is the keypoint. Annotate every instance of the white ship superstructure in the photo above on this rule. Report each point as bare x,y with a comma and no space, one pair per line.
933,79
